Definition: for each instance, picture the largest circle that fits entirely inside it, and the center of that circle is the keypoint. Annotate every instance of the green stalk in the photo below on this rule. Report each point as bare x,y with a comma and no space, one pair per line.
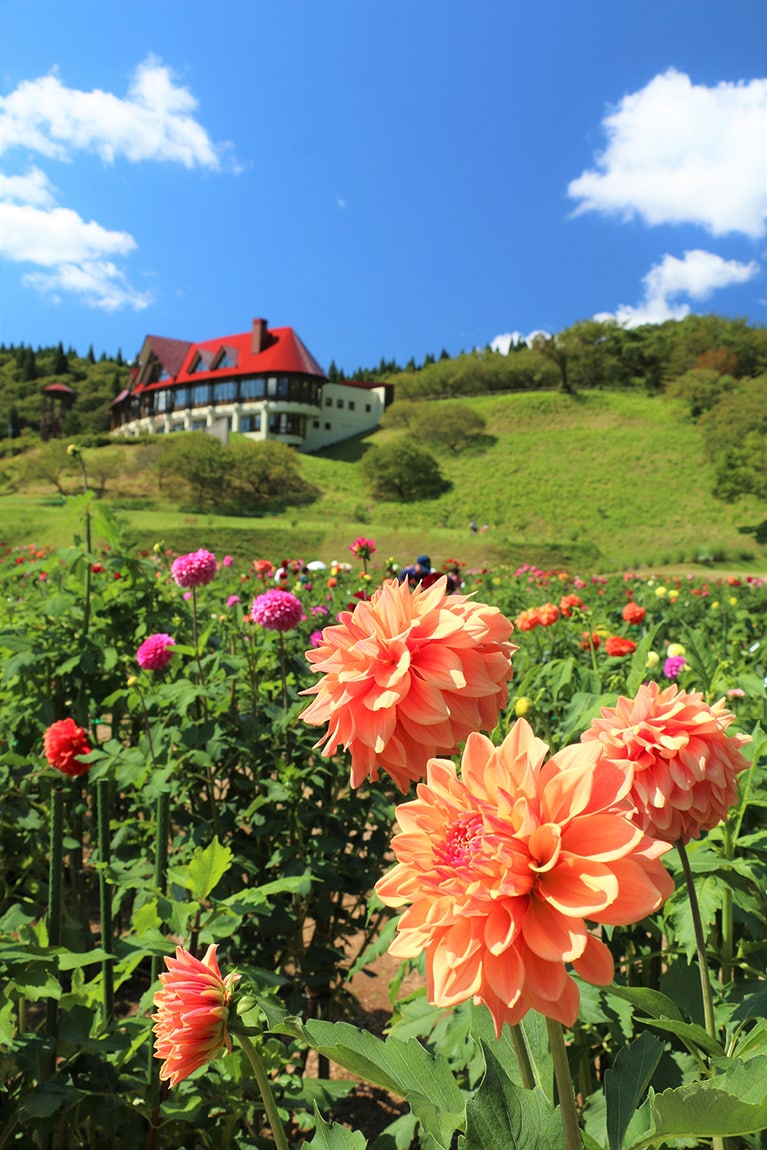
284,677
564,1085
162,830
55,876
700,942
105,898
523,1057
265,1089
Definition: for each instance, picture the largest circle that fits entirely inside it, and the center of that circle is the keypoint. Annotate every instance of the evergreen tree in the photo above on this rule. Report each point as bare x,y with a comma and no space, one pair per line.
443,354
119,360
60,362
332,371
90,356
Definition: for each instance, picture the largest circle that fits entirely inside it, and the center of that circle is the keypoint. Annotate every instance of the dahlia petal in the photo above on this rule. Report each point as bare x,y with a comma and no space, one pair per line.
602,837
550,935
643,887
596,964
580,887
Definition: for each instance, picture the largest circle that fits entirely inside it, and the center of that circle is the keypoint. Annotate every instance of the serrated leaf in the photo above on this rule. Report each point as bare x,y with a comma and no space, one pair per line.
504,1116
626,1082
335,1137
207,866
405,1068
728,1106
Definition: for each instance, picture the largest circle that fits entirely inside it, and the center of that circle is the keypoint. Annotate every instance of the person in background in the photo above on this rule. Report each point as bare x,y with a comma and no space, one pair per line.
416,572
473,527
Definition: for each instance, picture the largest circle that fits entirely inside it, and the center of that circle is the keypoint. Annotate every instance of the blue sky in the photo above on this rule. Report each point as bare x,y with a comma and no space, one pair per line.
388,179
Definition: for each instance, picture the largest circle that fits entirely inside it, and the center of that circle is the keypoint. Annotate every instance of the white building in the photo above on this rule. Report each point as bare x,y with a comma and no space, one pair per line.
263,383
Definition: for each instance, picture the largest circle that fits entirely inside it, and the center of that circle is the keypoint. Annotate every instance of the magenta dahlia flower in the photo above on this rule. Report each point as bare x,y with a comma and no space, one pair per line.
194,570
277,610
673,666
155,652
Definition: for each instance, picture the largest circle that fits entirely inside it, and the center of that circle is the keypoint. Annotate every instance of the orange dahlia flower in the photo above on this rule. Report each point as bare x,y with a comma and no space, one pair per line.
502,866
617,646
192,1010
406,676
684,765
548,614
633,613
528,620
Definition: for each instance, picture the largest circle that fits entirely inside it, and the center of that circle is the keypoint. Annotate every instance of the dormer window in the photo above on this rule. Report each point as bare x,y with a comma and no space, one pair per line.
201,362
227,357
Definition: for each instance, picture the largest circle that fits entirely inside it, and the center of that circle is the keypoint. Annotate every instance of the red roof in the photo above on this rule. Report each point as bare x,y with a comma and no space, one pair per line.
283,354
58,389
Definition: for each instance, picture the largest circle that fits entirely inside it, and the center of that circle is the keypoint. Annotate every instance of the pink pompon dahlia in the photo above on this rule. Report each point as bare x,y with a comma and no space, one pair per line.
407,675
683,764
277,610
196,569
192,1012
63,744
503,864
363,548
155,652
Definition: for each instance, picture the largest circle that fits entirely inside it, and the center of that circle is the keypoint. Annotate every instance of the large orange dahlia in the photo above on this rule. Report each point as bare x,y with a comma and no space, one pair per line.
502,866
406,676
684,765
192,1011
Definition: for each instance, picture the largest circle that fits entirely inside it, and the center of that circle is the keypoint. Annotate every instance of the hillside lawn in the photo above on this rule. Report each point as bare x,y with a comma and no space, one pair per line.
603,481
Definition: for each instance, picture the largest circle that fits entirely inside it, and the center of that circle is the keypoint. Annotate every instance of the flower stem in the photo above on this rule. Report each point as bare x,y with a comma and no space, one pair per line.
55,876
265,1088
162,830
105,899
700,942
523,1057
564,1085
284,677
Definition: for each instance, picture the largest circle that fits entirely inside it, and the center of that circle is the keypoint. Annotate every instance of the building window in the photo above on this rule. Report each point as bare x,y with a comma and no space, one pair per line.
197,425
339,403
351,405
328,402
271,387
201,393
225,392
226,359
161,401
282,389
327,427
316,424
286,423
181,398
250,423
252,389
368,407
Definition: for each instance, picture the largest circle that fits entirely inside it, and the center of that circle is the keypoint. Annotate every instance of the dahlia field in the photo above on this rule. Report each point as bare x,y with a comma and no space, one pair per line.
228,787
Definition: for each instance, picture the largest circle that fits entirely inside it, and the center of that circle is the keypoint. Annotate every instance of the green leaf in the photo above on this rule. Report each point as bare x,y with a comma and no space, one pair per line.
335,1137
405,1068
728,1106
650,1001
504,1116
689,1033
626,1082
202,874
638,670
50,1098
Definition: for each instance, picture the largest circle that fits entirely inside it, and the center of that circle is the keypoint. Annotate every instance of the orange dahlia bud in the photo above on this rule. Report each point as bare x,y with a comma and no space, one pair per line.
192,1012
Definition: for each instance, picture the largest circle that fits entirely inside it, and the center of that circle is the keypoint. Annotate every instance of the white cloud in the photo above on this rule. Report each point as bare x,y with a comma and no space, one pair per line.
508,339
155,121
74,250
697,275
56,236
680,152
98,283
32,188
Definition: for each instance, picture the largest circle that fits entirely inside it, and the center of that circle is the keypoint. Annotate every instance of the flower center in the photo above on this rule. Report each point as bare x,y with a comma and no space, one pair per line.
463,839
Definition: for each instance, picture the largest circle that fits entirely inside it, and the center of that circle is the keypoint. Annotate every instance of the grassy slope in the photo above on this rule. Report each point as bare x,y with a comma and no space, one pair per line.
603,481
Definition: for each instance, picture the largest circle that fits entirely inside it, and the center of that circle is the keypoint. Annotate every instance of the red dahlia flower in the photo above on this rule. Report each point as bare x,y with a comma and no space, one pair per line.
63,744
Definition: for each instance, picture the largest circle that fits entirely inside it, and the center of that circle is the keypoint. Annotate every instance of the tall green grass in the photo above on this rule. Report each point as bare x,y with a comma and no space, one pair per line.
602,481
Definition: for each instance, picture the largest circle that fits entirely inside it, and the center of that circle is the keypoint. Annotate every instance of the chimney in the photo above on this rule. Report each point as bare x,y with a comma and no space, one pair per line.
259,336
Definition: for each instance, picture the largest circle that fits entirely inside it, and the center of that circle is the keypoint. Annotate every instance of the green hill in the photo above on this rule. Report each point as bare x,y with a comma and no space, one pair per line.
598,481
